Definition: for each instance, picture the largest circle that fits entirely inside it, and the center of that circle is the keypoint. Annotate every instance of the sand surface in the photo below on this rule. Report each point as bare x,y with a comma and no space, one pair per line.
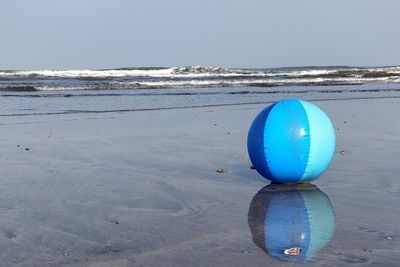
140,188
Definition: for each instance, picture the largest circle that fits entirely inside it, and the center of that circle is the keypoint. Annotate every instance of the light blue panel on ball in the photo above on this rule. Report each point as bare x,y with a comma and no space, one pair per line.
322,219
321,143
287,141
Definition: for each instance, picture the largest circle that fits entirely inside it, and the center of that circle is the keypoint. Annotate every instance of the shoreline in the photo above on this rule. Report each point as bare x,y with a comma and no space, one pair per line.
187,107
141,188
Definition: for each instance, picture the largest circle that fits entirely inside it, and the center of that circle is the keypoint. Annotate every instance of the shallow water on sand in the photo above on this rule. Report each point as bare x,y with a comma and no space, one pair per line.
141,188
62,102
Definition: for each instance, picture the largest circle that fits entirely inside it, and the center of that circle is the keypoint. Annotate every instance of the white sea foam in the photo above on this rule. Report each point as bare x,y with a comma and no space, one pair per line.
246,82
91,73
188,72
132,78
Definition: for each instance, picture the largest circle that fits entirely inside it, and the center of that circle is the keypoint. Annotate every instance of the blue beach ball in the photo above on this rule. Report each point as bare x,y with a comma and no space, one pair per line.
291,222
291,141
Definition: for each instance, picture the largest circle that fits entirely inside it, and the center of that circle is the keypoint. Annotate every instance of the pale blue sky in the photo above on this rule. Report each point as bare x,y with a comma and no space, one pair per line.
76,34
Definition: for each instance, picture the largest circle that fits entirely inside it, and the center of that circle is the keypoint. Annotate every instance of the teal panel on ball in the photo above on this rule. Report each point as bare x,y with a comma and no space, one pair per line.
287,141
322,219
322,141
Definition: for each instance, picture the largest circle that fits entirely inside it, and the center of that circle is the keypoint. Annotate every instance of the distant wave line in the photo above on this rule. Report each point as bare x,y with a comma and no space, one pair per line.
191,77
198,71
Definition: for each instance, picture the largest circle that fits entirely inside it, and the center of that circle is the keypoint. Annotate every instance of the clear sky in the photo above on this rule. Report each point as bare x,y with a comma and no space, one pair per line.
76,34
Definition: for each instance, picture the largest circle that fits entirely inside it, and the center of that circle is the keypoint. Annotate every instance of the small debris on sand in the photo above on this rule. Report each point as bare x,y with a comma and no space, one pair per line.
342,152
27,148
106,250
252,168
220,170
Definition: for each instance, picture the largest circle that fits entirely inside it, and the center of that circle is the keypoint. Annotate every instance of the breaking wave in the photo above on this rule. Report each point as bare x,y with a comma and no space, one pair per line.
191,77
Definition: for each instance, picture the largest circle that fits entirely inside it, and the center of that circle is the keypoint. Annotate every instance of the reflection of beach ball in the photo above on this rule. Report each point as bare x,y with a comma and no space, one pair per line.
291,141
291,222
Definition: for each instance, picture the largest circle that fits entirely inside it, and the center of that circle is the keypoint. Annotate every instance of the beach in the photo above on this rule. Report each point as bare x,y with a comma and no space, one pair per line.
140,187
199,133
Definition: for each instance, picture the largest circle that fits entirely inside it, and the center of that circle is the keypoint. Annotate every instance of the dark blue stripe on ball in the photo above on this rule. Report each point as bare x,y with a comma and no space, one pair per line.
286,141
255,143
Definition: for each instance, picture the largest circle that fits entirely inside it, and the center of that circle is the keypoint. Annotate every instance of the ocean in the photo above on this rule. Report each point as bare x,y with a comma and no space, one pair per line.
102,186
146,88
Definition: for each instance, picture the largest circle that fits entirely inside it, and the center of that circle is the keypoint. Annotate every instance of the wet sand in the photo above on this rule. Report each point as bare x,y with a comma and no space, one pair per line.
141,188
